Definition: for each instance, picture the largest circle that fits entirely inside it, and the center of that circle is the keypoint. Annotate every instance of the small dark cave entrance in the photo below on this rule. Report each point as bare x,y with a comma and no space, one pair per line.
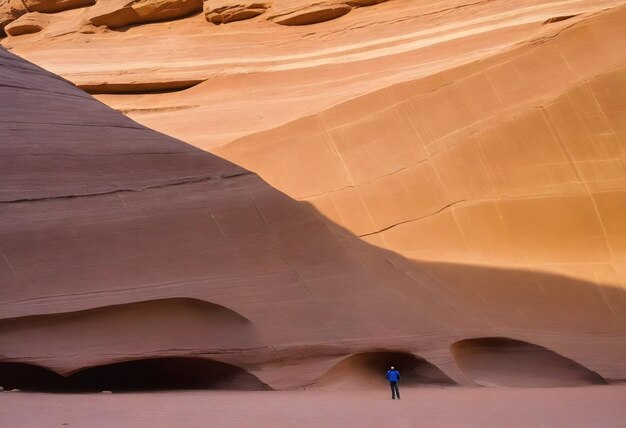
28,377
500,361
157,374
369,368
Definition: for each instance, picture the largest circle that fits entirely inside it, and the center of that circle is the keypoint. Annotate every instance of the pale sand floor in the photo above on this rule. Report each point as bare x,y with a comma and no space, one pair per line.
597,406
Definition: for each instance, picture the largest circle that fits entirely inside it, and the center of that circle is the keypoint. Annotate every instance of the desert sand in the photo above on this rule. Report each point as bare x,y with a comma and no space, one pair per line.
424,408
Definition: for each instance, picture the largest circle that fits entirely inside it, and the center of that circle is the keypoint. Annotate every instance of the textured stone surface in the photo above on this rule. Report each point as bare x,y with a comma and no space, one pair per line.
362,3
119,13
475,148
305,13
129,229
225,11
52,6
10,10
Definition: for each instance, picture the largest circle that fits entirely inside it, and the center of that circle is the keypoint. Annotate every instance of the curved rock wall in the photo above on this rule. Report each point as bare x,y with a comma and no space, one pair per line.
505,362
474,148
27,24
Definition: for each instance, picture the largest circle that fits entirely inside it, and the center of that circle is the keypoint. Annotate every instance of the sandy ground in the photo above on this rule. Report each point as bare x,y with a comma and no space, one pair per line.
598,406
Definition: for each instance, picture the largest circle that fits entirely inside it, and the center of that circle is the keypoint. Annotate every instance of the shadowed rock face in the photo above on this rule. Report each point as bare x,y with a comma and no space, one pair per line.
112,232
171,326
366,370
441,133
137,375
506,362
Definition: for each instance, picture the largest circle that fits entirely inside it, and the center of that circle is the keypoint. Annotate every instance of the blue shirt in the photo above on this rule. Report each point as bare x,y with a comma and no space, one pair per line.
393,375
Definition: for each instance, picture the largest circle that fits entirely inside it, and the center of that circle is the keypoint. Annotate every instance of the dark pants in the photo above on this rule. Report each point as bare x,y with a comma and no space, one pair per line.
395,392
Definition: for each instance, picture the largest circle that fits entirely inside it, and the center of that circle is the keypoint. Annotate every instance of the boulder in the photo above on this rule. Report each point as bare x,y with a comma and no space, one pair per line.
119,13
225,11
27,24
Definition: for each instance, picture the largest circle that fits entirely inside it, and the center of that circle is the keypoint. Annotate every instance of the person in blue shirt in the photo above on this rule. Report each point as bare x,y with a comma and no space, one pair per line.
393,376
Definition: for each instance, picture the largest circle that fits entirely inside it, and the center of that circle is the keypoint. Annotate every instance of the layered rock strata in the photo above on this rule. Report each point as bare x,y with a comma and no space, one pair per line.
477,146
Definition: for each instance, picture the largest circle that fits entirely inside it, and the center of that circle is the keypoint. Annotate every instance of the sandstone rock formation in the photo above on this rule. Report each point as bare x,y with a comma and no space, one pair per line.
120,13
52,6
306,13
225,11
476,165
27,24
362,3
134,234
474,148
489,362
10,10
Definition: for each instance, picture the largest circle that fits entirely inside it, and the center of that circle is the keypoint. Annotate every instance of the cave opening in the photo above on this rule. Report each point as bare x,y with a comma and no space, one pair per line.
156,374
500,361
369,368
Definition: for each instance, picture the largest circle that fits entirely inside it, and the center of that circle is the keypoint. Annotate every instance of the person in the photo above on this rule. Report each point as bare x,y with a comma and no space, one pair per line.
393,376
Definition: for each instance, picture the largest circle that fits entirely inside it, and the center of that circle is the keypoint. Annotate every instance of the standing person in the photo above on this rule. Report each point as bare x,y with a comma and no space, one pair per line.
393,376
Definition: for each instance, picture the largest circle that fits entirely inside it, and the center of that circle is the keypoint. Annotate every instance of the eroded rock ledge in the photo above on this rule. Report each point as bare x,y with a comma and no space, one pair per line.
225,11
306,13
120,13
10,10
27,24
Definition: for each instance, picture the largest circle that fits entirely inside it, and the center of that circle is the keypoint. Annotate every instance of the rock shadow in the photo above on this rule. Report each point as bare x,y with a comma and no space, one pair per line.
499,361
157,374
368,369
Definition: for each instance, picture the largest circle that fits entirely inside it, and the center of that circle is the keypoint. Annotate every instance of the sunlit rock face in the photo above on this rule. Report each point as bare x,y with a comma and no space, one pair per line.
120,13
451,172
26,24
225,11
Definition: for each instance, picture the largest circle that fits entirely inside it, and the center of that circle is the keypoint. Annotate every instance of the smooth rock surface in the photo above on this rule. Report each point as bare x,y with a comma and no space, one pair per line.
474,147
476,165
131,229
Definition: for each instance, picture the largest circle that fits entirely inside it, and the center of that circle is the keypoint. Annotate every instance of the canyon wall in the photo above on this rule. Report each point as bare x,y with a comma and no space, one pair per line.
447,188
